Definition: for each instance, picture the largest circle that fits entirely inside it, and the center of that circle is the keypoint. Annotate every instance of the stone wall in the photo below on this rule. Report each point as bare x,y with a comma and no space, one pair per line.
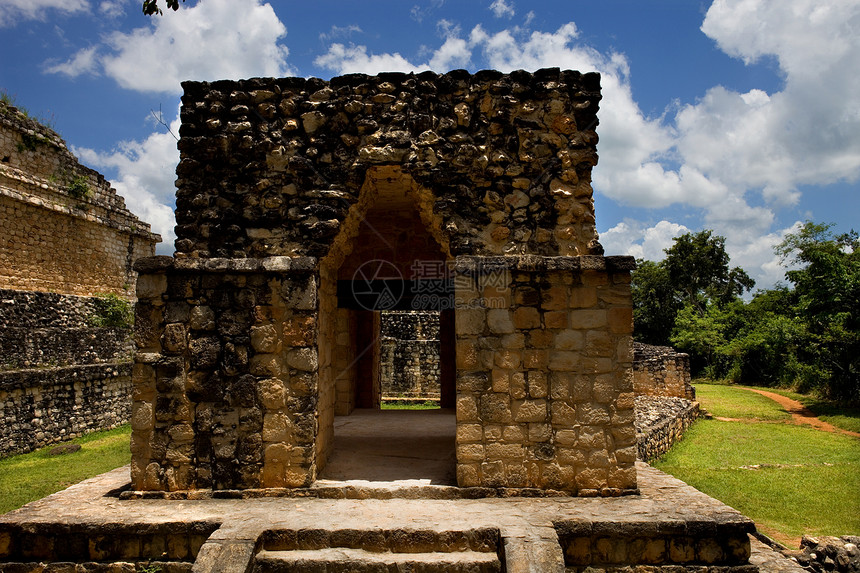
64,228
660,422
661,371
66,235
544,385
60,376
409,361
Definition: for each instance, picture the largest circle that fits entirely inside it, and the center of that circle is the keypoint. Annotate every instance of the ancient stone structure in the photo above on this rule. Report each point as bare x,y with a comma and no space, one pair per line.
306,206
409,355
64,229
66,235
661,371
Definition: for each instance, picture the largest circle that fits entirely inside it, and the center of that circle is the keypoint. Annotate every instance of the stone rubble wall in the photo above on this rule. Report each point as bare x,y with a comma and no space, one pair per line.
660,422
226,374
60,376
270,167
64,228
48,405
661,371
410,345
827,554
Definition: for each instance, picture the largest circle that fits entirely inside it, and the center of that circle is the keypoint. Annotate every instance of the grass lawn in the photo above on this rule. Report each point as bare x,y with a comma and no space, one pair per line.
791,480
28,477
407,405
730,402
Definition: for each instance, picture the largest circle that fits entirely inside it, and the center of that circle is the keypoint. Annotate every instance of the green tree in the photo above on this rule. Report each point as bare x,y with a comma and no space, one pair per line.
827,290
695,273
698,266
654,303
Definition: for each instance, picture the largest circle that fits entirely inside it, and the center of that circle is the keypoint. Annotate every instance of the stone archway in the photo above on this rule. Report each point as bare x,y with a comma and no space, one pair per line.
234,382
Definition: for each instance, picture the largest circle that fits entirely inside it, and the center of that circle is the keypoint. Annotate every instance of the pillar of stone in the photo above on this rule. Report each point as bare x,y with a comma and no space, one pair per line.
544,391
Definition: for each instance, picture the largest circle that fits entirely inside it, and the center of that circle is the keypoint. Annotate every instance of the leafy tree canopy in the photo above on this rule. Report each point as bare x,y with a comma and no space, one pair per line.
151,7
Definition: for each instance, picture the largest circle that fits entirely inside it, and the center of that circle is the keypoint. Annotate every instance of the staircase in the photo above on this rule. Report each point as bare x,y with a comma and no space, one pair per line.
400,550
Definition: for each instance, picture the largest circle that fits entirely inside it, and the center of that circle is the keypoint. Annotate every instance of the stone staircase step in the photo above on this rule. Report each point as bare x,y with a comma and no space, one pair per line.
346,560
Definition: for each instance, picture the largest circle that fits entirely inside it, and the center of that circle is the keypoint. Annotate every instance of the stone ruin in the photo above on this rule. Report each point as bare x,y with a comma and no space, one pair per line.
65,236
304,207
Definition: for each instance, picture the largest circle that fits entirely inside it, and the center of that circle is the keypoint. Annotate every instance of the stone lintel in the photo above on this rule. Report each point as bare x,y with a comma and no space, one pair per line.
538,263
163,264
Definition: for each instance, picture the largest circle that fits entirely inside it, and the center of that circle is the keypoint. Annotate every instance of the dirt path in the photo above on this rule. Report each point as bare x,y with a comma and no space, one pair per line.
800,414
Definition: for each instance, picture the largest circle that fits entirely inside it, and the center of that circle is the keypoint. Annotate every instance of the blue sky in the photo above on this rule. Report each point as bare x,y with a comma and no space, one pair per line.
741,116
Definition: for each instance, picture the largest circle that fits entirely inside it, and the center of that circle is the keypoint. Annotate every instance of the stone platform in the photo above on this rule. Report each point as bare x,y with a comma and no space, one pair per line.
669,527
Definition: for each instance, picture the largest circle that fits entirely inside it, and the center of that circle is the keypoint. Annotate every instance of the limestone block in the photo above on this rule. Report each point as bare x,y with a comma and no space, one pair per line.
272,393
588,319
151,286
620,320
495,407
564,360
526,318
583,297
570,340
500,321
530,410
264,338
202,318
304,359
470,321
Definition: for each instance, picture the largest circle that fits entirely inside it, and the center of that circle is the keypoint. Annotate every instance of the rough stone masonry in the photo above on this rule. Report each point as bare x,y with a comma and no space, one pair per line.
468,194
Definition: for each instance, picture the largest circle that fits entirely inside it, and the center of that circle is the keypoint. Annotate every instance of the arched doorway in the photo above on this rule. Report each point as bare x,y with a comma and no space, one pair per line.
386,258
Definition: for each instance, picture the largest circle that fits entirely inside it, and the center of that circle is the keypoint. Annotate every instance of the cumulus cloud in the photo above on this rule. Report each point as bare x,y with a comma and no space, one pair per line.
13,11
502,9
216,39
145,173
632,238
83,62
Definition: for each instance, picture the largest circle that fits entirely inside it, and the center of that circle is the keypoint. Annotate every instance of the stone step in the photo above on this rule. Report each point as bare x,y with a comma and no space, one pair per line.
347,560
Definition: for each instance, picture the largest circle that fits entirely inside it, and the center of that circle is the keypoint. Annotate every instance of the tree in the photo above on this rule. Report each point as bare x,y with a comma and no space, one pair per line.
695,273
654,303
150,7
698,265
827,287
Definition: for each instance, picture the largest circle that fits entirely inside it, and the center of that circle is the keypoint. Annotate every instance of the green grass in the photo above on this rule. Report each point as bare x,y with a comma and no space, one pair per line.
408,405
844,417
28,477
806,481
732,402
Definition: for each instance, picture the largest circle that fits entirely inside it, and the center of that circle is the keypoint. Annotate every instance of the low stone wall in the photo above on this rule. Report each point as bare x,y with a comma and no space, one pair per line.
43,406
828,554
661,371
660,422
409,355
60,377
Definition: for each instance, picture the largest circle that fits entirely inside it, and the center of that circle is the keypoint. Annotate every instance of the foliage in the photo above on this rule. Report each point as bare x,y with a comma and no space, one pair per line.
112,311
150,7
27,477
694,274
79,187
788,488
806,337
654,303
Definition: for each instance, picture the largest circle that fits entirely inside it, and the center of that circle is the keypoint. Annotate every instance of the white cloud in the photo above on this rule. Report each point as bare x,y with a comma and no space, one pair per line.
83,62
146,171
12,11
340,32
112,8
502,8
355,60
632,238
216,39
